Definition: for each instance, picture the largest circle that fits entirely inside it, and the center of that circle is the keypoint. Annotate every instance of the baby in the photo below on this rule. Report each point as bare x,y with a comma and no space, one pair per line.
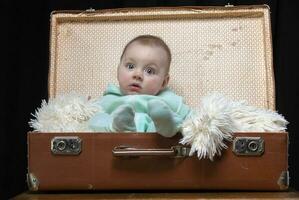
142,102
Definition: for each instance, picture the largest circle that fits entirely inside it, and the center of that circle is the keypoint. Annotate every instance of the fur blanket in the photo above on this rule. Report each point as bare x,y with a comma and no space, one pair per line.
218,117
206,131
65,113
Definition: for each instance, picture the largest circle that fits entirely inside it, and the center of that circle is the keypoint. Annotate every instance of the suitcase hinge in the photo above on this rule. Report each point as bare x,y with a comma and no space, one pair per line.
90,10
229,5
32,182
284,180
181,151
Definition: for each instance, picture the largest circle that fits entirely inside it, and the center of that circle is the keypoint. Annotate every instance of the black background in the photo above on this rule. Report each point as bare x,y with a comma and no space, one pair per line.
25,60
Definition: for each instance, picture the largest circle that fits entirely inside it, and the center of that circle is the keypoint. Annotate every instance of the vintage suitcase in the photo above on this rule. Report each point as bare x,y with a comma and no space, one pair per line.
226,49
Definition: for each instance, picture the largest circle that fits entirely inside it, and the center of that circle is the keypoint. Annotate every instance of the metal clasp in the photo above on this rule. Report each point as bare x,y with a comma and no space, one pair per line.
66,145
248,146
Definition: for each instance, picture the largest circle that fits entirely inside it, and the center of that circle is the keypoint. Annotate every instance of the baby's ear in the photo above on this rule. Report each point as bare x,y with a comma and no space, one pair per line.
165,82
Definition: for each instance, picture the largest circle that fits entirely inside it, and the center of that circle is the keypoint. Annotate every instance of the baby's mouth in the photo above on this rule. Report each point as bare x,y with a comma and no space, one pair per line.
135,87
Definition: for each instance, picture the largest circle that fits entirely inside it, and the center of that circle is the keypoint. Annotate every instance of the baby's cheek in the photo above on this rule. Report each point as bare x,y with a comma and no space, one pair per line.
154,86
124,78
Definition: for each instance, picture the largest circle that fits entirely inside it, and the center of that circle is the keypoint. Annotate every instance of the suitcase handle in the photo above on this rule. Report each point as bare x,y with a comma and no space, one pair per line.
174,151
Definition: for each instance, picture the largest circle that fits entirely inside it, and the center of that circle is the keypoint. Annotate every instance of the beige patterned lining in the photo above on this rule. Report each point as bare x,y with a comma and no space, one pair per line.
224,50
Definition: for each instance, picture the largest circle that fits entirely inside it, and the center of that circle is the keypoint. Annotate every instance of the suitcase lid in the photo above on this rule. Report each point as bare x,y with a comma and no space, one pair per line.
225,49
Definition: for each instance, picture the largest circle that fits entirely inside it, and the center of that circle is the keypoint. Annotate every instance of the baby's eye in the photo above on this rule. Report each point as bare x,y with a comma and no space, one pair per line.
149,70
130,66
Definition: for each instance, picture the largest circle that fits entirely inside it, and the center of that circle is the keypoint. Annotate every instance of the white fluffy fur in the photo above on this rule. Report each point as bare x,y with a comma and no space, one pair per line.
218,117
206,130
67,113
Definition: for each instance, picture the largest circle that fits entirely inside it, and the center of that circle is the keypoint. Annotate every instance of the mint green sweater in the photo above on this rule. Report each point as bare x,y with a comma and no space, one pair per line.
113,98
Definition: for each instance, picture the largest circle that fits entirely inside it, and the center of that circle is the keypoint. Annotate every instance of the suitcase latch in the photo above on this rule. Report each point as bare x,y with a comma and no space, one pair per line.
248,146
66,145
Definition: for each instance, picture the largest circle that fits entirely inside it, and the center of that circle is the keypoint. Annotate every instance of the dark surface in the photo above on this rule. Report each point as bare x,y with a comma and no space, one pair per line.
24,72
164,195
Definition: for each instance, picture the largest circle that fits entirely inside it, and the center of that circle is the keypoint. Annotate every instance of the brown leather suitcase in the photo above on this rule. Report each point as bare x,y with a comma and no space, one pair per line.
227,49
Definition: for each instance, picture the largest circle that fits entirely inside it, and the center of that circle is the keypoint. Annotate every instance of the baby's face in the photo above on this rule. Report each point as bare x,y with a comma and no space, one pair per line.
143,69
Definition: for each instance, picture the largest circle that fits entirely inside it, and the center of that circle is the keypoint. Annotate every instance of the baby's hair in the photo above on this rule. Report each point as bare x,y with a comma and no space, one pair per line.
151,41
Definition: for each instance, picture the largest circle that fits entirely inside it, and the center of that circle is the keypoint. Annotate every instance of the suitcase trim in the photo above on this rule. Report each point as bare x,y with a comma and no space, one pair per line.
32,182
284,180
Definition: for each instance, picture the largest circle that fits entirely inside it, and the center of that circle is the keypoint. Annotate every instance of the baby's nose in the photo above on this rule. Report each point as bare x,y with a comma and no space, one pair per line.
138,75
